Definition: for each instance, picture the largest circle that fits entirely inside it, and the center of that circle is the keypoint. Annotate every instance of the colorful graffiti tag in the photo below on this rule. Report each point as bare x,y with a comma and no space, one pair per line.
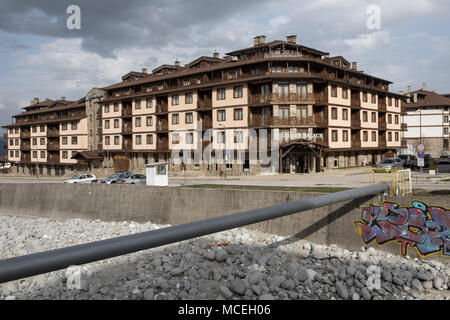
424,227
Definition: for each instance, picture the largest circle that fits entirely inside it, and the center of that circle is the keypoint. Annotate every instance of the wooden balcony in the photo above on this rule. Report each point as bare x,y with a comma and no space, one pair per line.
126,112
162,145
356,123
53,133
53,146
290,98
382,143
25,146
321,122
204,104
25,158
404,126
382,107
162,126
127,129
25,134
127,145
162,107
53,159
293,121
382,125
356,144
260,122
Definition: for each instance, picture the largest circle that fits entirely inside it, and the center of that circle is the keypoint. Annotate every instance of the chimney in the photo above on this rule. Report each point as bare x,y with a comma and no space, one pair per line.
409,91
176,63
424,86
401,92
292,39
262,39
216,55
355,66
35,100
144,70
63,98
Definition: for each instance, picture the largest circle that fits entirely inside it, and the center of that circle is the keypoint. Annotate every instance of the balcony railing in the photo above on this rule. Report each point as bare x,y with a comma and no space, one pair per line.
382,124
126,112
53,146
382,143
162,108
25,134
204,104
356,123
356,144
127,146
261,122
52,133
25,146
53,159
293,121
127,129
162,145
25,158
382,107
161,126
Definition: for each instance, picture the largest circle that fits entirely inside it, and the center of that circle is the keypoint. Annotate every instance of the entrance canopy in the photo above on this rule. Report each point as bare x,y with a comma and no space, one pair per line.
301,156
88,156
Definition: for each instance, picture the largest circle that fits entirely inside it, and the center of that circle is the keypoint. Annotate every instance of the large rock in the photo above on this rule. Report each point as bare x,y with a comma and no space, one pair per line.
341,290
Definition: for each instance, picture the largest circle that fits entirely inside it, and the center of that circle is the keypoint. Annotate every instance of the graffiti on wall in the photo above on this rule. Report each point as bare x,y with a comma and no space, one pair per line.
420,226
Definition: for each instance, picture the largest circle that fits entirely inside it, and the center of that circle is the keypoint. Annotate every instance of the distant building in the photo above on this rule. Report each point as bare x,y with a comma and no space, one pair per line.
427,120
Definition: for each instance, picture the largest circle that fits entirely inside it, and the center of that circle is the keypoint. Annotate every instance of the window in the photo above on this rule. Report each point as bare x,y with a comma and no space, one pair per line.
334,135
64,140
445,131
107,138
175,118
336,161
365,115
175,138
116,107
34,141
345,135
220,137
293,69
116,140
175,100
137,104
11,153
283,112
65,154
389,136
237,92
149,103
189,117
106,108
106,124
445,119
373,97
396,119
186,83
17,154
302,89
16,142
74,140
390,102
302,111
334,91
389,118
139,139
74,126
189,138
137,122
334,113
221,115
221,95
397,137
11,142
365,136
34,128
238,137
344,114
189,98
42,142
277,69
149,121
374,117
42,128
344,93
116,123
232,75
42,154
374,136
149,139
238,114
365,97
396,102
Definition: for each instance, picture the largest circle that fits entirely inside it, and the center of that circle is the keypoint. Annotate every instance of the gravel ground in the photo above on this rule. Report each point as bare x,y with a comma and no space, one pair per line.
253,265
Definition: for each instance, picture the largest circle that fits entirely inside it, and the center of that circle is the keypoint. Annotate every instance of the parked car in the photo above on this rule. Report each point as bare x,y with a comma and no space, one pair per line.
409,160
82,178
116,176
445,159
134,179
388,164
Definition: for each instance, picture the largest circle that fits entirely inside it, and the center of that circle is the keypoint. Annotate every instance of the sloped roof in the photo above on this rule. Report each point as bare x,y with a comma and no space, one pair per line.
431,99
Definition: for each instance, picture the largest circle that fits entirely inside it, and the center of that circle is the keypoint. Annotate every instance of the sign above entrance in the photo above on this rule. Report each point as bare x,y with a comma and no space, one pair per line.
301,135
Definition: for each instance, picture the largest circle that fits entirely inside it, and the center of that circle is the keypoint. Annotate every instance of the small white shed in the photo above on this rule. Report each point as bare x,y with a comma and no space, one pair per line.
157,174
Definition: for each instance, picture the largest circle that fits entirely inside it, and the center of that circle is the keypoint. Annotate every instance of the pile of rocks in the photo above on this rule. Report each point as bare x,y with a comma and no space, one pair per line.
251,266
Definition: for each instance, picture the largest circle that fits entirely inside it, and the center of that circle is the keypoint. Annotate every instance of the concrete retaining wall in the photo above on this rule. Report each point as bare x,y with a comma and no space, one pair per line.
328,225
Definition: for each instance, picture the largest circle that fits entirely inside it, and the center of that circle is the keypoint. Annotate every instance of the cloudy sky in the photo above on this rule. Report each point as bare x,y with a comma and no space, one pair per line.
41,57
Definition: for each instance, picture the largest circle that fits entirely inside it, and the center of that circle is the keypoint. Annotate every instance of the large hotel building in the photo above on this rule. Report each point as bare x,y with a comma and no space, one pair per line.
321,111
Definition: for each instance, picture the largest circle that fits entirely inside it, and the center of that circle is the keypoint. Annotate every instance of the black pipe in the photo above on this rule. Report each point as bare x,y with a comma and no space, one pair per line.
48,261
